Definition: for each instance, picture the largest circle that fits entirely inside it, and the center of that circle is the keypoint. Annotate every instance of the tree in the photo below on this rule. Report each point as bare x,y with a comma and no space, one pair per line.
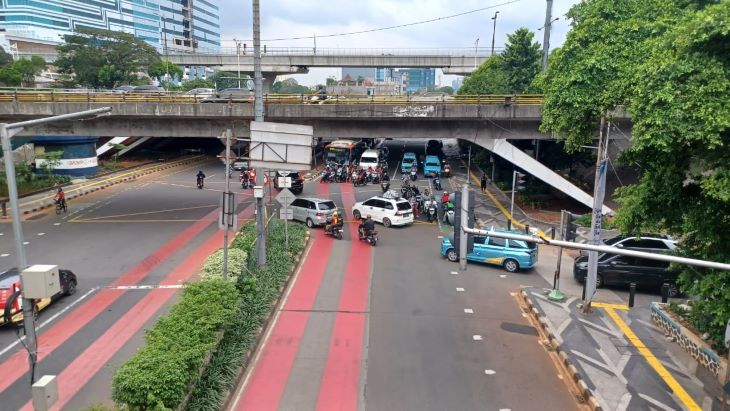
489,78
104,58
289,86
521,60
331,80
667,63
197,83
22,72
446,90
6,58
163,70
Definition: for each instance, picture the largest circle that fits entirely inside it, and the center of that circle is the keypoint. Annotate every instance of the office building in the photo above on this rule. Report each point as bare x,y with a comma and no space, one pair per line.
184,25
421,79
456,84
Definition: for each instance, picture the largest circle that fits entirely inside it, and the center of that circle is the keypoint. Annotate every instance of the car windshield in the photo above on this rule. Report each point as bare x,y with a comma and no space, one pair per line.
522,244
327,205
408,160
404,205
7,282
369,159
433,164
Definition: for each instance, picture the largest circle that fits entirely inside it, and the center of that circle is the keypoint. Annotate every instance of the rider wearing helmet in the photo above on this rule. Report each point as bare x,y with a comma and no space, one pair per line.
367,226
60,197
445,197
334,221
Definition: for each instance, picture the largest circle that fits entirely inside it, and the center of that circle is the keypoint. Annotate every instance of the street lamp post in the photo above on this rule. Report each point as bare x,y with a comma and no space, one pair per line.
7,131
476,50
494,30
238,61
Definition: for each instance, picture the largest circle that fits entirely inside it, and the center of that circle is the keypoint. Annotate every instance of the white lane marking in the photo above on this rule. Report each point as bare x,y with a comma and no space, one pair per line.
439,236
468,311
2,233
459,289
48,321
26,242
454,273
505,409
144,287
56,224
503,276
4,255
41,234
476,337
490,372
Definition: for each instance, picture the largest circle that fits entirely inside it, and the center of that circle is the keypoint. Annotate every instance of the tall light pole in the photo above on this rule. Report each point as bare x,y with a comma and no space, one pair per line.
546,34
238,61
494,29
258,116
7,131
476,50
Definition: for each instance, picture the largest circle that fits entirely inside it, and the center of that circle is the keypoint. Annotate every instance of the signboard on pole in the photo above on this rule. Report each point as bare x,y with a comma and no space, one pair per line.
228,215
281,146
285,197
286,214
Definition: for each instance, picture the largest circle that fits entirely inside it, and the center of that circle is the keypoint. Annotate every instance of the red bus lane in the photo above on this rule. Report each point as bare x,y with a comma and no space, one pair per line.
86,365
265,387
340,383
17,365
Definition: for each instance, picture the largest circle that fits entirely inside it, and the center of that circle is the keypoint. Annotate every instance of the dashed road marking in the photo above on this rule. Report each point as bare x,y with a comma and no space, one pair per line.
4,255
41,234
56,224
490,372
503,276
145,287
476,337
26,242
468,311
460,289
454,273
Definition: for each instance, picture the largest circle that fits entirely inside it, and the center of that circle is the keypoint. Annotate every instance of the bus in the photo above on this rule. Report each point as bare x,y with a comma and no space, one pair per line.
343,151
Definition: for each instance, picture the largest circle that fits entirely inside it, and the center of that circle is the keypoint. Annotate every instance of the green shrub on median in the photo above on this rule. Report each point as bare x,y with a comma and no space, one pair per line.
158,376
213,267
258,290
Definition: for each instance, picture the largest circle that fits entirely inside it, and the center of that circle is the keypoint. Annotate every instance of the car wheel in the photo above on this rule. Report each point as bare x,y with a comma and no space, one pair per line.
357,215
71,288
511,265
386,222
310,223
673,290
599,281
452,256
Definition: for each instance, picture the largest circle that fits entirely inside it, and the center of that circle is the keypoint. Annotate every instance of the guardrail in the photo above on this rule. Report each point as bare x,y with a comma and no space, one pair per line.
23,96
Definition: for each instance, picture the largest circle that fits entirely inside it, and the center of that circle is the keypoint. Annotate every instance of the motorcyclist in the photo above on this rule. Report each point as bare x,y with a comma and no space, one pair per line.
60,197
367,227
445,197
200,176
244,177
335,221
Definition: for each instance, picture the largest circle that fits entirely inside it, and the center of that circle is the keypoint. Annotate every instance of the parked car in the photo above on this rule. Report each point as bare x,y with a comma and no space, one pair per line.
123,89
297,182
648,241
240,95
10,294
312,211
513,255
146,89
622,270
387,211
201,92
240,165
408,161
431,165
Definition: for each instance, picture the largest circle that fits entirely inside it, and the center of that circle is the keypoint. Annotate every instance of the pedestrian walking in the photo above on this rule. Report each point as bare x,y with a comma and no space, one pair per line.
484,182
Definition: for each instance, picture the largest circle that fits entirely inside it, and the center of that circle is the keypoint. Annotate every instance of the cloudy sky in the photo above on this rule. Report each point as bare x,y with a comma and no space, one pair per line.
300,18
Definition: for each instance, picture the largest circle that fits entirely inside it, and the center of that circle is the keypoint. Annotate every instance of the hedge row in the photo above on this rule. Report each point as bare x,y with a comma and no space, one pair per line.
159,375
258,289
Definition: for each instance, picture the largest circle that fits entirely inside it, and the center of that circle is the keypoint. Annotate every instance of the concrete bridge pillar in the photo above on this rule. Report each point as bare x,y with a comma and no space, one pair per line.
269,79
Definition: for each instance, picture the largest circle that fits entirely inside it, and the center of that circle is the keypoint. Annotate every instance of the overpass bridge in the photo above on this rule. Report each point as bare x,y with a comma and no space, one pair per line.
291,60
488,121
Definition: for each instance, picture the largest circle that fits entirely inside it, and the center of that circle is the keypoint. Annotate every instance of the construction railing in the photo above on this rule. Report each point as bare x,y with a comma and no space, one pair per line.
92,96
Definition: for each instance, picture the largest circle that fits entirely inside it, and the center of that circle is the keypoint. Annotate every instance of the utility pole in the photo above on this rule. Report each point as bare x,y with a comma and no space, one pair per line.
238,61
258,116
226,210
464,204
546,34
512,203
494,30
555,294
315,43
164,47
599,191
476,50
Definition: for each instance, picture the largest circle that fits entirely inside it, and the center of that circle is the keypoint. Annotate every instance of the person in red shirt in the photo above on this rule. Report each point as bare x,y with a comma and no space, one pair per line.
60,197
445,197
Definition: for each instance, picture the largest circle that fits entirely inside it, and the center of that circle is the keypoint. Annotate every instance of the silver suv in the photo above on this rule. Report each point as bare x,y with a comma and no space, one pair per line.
312,211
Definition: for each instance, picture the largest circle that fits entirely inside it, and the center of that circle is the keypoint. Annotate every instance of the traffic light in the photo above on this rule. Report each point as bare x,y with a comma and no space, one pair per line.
571,227
520,181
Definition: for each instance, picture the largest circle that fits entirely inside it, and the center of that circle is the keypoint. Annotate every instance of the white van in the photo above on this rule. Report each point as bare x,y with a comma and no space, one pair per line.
370,158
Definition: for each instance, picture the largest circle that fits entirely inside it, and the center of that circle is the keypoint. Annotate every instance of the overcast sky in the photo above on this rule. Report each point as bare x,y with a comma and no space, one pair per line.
297,18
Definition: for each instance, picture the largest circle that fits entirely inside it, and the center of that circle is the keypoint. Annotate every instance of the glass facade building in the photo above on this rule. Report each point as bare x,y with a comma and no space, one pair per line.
421,79
175,24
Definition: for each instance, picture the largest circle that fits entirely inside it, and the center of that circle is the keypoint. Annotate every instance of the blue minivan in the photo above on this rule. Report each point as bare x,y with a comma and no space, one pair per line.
513,255
431,165
409,160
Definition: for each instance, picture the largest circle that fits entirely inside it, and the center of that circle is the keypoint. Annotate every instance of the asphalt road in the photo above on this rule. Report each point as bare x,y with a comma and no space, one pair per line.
143,232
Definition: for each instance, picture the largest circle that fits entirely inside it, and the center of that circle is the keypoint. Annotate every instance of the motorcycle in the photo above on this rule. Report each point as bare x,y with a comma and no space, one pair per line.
358,179
414,174
200,183
327,175
406,192
334,231
371,238
342,175
385,185
431,211
446,170
246,183
449,213
437,183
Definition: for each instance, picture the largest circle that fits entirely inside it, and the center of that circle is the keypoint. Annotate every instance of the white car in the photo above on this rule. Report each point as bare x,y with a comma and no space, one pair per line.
387,211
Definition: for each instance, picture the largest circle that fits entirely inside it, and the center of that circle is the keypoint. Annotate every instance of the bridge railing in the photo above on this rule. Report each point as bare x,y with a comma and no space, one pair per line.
94,96
330,51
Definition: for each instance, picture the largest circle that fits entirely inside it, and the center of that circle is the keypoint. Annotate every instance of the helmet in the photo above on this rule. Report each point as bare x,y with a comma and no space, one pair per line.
335,214
446,193
60,189
369,217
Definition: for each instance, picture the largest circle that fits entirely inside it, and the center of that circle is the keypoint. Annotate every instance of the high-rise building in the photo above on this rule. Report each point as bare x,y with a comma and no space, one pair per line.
178,24
456,84
421,79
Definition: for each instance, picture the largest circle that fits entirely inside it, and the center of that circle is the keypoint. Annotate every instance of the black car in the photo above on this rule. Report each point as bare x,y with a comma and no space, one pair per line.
297,182
10,290
622,270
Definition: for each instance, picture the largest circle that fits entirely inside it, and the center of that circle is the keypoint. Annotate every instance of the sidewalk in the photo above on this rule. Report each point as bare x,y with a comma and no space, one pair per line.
620,359
38,201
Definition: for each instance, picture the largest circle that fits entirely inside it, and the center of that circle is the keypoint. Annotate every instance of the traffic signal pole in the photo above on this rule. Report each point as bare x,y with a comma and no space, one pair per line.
556,294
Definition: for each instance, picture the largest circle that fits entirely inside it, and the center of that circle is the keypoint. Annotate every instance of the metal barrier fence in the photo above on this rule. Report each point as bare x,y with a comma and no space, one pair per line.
51,96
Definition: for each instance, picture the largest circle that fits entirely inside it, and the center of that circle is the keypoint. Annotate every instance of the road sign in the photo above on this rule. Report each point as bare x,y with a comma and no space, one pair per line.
284,182
286,214
285,197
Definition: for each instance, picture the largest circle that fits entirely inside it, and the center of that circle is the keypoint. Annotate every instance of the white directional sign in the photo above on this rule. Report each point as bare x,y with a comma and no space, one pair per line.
286,214
284,182
285,197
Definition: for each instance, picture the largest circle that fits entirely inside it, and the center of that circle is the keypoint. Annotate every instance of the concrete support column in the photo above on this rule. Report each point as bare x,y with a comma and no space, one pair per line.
268,81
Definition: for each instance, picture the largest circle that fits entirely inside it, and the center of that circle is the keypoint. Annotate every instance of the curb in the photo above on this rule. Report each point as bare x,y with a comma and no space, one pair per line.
111,183
589,398
243,368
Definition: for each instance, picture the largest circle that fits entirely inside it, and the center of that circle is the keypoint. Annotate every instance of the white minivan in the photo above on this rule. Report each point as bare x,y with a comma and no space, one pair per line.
370,158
